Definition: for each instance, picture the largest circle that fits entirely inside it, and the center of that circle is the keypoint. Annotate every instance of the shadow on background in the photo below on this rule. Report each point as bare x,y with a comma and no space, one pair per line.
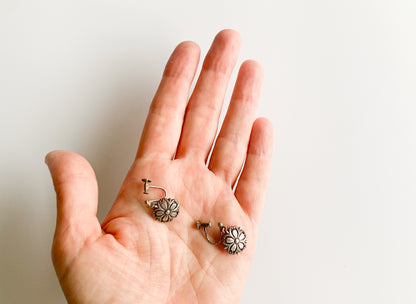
116,148
26,272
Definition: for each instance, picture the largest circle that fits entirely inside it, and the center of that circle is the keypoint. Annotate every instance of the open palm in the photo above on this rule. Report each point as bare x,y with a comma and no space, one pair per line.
131,257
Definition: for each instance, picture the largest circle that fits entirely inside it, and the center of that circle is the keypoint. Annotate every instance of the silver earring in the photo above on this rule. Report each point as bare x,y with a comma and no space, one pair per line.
164,209
234,238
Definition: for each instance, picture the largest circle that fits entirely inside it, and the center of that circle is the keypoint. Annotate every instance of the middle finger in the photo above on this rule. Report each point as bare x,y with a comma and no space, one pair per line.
204,108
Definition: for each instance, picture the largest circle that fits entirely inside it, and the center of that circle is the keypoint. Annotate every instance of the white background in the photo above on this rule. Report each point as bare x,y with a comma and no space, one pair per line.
339,221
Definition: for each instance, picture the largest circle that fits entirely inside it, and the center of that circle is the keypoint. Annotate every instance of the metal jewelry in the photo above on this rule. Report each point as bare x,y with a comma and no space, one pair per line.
234,238
164,209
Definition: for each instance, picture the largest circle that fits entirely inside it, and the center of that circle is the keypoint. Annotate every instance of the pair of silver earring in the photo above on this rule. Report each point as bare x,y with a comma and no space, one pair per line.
166,209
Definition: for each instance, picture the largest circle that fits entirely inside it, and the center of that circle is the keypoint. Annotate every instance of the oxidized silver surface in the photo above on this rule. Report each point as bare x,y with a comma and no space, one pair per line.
234,240
166,209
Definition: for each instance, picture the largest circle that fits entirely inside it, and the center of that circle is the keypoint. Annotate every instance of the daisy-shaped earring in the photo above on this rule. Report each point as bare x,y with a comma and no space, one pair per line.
233,238
164,209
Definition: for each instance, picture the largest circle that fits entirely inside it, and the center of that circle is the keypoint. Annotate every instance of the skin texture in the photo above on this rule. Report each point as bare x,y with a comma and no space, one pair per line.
131,257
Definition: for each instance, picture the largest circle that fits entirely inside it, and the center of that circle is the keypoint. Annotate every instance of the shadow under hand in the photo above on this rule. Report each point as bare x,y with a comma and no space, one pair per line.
109,143
116,133
26,275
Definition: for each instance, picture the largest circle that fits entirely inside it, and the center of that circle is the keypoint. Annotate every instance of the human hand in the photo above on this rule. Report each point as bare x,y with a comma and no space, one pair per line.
131,257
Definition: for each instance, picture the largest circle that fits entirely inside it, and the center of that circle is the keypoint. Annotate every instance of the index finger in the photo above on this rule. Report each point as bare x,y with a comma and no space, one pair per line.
163,125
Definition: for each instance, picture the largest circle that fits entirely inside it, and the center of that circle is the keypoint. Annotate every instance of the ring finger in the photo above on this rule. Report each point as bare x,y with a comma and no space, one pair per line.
231,146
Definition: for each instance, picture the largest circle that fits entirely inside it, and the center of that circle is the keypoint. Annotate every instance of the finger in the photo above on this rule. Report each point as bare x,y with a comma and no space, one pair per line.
230,149
77,198
163,126
202,114
251,186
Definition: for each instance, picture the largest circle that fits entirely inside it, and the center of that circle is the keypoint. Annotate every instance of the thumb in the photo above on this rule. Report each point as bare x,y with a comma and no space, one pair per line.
77,199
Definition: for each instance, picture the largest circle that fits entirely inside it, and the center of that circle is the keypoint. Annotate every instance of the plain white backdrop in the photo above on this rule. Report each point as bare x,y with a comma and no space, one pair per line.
339,221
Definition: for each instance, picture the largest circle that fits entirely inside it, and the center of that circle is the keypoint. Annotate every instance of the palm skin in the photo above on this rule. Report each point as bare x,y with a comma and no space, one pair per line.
130,257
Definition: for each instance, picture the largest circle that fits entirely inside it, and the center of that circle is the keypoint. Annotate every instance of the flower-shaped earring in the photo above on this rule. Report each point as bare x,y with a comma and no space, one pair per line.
234,238
164,209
